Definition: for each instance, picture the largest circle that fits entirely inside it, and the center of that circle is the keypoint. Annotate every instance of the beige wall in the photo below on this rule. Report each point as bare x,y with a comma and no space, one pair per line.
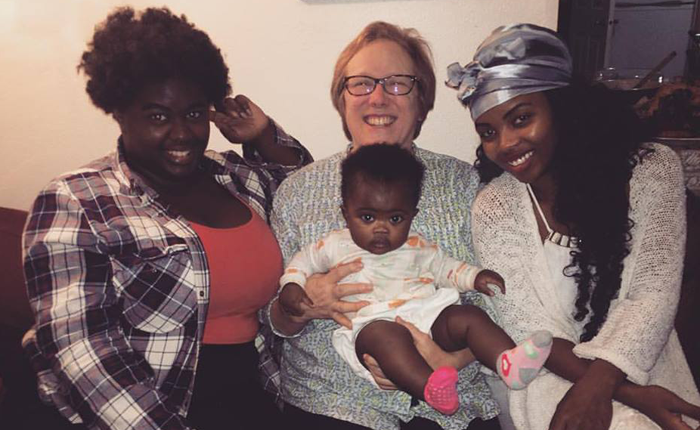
48,126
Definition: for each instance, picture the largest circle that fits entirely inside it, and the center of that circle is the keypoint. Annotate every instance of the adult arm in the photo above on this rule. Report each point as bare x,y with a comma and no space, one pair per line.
587,404
77,313
639,323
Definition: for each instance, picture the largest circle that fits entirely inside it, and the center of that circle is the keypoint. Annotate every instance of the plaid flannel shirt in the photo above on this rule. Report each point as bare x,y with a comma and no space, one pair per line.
119,287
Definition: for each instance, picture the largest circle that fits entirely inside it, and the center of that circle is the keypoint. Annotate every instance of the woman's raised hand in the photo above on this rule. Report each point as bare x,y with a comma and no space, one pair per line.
239,119
326,294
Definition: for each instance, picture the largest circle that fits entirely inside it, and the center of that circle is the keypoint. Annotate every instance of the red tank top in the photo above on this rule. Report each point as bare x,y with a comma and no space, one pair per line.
245,265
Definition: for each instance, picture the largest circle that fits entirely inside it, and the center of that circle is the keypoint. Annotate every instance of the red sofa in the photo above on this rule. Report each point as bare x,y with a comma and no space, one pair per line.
17,385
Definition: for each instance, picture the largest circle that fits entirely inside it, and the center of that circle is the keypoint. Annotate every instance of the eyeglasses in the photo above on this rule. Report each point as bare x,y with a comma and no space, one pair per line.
396,85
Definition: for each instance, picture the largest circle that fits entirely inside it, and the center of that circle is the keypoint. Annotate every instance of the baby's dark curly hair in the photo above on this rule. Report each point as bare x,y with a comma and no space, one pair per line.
386,164
599,144
130,50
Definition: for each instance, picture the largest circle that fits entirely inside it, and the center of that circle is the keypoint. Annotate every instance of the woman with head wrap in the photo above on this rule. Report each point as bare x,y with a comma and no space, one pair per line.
587,226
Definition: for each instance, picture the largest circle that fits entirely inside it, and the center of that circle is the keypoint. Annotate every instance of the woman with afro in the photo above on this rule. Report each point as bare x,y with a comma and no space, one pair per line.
146,268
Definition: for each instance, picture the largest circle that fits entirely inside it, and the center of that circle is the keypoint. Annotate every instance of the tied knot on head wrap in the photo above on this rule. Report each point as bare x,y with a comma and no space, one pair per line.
464,79
514,60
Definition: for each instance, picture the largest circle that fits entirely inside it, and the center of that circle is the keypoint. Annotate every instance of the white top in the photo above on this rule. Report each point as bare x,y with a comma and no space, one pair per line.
638,335
412,271
557,252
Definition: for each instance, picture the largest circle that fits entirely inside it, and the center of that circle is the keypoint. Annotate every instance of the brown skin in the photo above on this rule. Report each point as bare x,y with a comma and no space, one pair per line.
379,215
165,131
523,127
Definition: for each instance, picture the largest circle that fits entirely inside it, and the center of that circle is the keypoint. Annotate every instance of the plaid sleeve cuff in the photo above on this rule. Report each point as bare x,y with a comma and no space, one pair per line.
253,157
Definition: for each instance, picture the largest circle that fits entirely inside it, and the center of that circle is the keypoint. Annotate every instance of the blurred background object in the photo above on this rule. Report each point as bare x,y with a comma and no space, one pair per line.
625,82
627,34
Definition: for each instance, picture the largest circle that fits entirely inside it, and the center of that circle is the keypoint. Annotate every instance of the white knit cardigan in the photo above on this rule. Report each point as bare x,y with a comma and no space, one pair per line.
638,335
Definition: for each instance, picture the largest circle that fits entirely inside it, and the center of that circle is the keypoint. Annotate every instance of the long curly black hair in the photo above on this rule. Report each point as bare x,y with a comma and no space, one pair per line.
599,144
130,50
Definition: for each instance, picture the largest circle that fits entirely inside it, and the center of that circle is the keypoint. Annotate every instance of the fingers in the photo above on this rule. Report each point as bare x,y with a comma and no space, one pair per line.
371,363
238,107
244,103
306,300
501,283
226,123
415,333
343,290
342,270
345,307
376,371
494,280
688,409
492,286
341,319
218,118
487,289
301,308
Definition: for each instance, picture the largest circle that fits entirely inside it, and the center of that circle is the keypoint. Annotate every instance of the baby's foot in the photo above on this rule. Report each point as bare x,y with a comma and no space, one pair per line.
441,390
520,365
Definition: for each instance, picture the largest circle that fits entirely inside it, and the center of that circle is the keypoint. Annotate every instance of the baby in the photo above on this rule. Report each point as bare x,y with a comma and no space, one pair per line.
381,187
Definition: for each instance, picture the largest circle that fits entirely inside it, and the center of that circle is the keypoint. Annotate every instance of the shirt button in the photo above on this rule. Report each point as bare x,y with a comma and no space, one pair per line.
201,293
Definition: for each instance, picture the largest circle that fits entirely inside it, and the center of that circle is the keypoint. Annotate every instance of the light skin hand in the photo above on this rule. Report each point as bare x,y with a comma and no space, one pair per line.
486,277
379,377
325,295
435,356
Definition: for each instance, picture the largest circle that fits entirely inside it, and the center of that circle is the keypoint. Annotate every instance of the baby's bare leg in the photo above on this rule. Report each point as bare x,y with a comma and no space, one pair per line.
459,327
466,326
392,346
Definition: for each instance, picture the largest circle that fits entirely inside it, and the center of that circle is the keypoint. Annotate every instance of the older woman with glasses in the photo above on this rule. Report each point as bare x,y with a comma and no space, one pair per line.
383,88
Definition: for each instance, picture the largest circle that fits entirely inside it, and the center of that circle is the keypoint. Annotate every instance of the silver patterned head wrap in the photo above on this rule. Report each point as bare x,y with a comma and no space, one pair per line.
514,60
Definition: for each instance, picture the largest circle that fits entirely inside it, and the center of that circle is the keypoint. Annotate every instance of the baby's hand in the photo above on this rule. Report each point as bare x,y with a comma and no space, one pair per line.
293,300
486,280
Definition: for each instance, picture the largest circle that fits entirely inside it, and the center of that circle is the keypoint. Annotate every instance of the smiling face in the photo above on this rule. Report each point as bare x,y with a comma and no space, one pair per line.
519,136
379,215
165,131
380,117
